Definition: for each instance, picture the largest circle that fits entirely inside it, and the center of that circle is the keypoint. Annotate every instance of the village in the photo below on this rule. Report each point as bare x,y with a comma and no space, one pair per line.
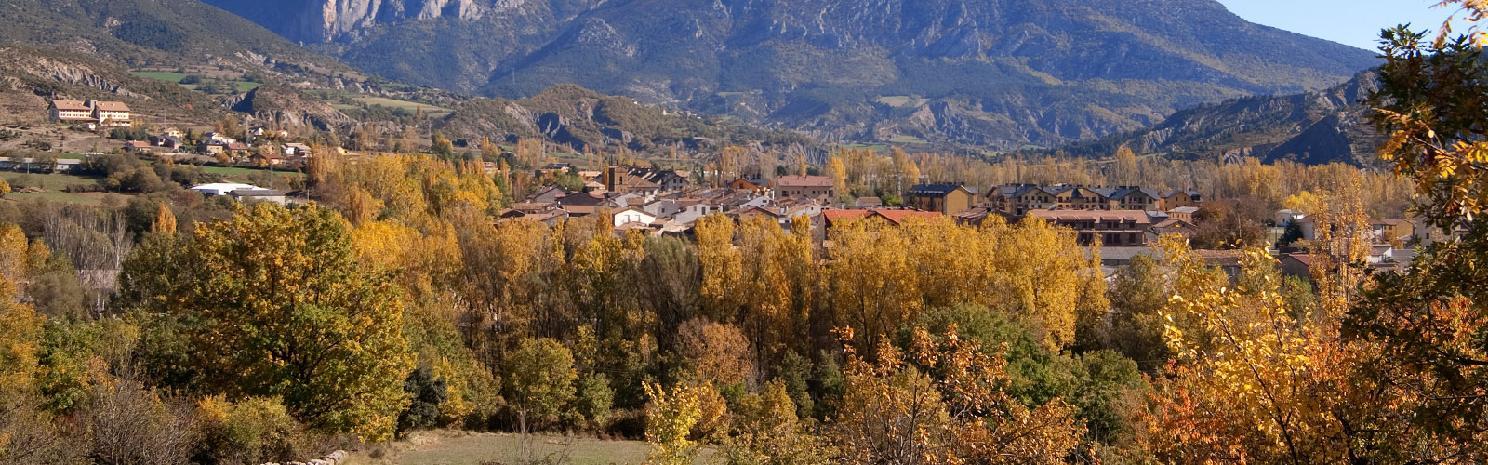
1121,222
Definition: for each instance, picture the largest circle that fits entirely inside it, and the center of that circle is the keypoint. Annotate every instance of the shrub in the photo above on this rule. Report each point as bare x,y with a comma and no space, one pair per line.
253,431
595,400
426,393
130,424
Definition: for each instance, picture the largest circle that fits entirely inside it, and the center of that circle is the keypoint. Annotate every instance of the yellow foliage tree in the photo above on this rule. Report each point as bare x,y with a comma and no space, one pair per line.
670,418
20,325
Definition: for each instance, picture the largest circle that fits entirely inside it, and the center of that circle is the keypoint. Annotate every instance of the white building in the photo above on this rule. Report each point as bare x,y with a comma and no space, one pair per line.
633,215
224,188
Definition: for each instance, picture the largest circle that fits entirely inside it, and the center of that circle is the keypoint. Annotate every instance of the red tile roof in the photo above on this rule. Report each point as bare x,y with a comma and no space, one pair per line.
111,106
71,105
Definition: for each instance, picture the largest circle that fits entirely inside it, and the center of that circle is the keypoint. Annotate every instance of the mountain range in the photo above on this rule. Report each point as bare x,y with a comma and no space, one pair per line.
136,50
1314,127
995,74
1183,77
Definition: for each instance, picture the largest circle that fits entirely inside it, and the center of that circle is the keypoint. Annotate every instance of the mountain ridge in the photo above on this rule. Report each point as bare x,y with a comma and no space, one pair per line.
1317,127
1001,74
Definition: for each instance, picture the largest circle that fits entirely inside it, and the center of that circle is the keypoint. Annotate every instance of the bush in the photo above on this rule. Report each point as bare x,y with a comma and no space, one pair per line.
131,424
83,188
31,436
426,393
595,400
250,432
191,79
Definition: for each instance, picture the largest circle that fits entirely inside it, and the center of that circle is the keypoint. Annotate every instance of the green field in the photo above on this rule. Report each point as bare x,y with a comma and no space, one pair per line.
238,173
404,104
90,199
53,184
454,448
175,78
50,182
163,76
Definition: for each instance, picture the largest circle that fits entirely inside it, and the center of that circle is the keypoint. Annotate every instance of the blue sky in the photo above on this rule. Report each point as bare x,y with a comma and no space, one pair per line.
1351,22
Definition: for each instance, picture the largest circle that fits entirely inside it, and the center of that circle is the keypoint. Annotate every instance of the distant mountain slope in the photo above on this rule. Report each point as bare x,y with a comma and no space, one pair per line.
582,118
1312,127
141,32
997,73
91,48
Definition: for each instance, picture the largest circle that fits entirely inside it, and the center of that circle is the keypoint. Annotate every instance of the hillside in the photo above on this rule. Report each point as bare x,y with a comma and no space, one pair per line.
138,33
142,51
1311,127
1001,74
582,118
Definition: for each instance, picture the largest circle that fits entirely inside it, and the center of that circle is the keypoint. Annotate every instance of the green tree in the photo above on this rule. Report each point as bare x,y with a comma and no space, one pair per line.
272,302
540,381
442,145
1137,297
595,400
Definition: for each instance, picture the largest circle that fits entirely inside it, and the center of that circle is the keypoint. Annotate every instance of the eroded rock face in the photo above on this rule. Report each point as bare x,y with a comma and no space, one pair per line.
287,108
331,20
60,71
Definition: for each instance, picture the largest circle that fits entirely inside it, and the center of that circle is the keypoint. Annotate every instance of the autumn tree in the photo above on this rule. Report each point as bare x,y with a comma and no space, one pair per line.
1126,167
670,418
165,220
837,170
272,302
1253,383
20,325
441,145
722,267
716,353
766,430
943,400
871,280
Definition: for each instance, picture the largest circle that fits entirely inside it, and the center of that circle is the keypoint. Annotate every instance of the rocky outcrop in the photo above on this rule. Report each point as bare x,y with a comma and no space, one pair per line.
287,108
24,66
329,20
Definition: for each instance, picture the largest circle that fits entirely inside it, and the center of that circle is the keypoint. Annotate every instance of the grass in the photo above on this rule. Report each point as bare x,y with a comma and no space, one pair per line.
89,199
53,184
456,448
47,181
239,173
163,76
901,101
404,104
175,78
